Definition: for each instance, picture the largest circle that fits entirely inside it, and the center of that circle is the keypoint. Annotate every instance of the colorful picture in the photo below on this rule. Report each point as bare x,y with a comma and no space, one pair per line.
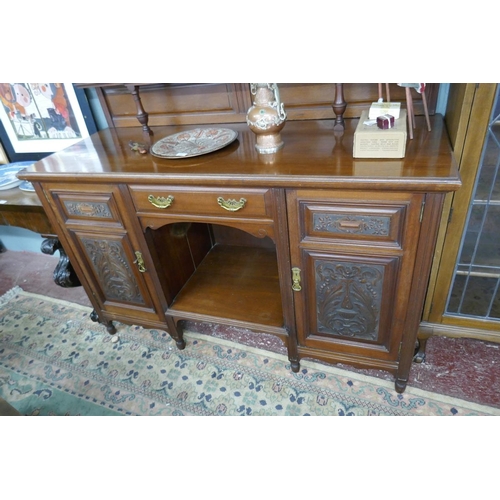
41,117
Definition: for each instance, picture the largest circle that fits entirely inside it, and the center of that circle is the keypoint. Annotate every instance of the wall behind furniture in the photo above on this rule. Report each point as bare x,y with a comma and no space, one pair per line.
19,239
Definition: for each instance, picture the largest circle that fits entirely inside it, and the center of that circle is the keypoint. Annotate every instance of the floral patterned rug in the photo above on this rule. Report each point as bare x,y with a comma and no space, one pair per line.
55,361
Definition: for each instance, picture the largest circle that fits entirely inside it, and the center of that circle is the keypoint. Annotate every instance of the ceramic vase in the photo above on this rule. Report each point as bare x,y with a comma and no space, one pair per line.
266,118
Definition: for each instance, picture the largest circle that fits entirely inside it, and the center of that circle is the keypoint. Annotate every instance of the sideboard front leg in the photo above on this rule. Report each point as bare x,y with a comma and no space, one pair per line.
400,385
293,355
110,327
64,274
175,331
295,365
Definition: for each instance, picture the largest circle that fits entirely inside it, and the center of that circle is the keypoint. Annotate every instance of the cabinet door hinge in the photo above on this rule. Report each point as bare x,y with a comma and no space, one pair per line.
422,210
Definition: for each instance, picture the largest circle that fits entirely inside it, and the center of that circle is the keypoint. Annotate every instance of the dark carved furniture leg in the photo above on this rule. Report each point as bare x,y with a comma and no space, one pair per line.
339,107
64,274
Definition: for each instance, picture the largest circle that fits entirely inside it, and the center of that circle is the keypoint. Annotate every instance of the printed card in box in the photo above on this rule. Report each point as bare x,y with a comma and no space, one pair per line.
384,108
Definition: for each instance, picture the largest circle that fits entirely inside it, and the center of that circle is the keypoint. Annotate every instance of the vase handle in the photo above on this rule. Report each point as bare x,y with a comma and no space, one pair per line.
279,105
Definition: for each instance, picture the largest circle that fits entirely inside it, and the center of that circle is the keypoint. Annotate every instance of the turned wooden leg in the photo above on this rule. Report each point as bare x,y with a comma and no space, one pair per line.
295,365
400,385
293,355
339,106
64,274
419,356
110,327
175,331
142,115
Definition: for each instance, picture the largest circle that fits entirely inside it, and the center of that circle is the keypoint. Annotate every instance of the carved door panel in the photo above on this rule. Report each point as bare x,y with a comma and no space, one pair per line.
349,303
107,250
353,257
115,268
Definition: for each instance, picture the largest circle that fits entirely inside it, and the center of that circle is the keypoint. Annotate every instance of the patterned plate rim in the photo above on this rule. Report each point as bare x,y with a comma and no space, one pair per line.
216,148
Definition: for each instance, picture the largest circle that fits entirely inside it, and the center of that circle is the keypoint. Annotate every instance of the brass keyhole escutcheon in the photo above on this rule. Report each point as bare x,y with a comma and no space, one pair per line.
160,201
140,262
231,205
296,287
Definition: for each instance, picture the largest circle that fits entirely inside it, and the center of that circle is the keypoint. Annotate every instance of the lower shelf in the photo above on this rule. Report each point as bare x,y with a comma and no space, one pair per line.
234,282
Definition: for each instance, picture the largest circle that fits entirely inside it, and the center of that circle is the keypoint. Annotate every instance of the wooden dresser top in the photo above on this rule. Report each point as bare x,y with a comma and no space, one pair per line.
314,156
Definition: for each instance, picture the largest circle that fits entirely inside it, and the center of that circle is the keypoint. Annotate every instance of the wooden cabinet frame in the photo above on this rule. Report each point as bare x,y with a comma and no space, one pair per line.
202,262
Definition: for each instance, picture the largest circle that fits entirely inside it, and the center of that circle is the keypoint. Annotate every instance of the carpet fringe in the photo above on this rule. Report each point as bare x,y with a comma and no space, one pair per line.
61,302
10,294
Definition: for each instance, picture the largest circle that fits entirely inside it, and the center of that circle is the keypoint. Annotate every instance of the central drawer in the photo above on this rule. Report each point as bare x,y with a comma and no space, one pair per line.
220,202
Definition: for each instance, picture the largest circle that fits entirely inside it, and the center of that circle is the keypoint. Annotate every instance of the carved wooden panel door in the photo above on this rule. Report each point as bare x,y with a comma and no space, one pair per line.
353,256
113,267
111,262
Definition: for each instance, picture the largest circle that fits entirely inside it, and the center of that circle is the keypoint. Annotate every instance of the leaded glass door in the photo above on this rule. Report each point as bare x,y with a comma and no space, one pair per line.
475,287
464,298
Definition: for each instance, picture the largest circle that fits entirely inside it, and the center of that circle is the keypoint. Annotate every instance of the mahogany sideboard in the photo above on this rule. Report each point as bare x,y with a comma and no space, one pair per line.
329,253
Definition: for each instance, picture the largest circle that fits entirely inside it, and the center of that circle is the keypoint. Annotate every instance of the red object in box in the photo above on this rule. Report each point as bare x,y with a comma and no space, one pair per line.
385,121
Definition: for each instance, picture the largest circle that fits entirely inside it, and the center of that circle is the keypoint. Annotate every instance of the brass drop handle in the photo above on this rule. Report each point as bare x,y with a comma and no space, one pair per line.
160,201
231,205
296,279
140,262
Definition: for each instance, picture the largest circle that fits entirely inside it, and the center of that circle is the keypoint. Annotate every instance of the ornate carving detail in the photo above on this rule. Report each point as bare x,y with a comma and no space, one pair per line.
64,275
115,275
349,298
332,223
88,209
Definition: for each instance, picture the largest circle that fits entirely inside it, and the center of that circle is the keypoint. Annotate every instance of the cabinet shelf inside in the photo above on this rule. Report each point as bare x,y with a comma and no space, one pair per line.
234,282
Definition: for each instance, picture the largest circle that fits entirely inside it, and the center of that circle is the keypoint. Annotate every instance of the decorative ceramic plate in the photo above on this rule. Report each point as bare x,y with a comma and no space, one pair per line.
8,178
196,142
27,186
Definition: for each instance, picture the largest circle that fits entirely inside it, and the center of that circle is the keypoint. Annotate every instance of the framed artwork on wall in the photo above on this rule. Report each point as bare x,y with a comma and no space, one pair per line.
37,119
